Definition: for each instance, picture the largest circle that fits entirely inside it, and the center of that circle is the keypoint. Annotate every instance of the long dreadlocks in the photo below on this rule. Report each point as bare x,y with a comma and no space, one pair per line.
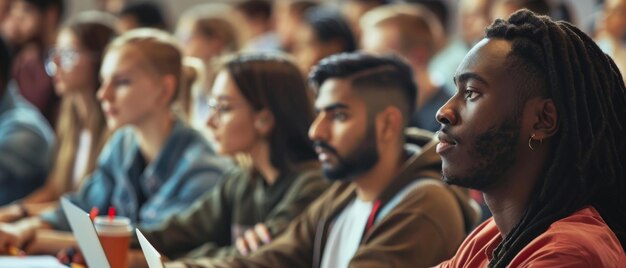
589,157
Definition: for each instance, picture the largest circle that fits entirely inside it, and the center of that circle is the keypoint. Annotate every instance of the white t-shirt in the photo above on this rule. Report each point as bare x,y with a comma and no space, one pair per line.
345,234
82,156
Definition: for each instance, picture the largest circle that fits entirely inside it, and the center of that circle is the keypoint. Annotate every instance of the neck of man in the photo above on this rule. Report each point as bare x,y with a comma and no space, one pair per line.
509,199
370,184
152,134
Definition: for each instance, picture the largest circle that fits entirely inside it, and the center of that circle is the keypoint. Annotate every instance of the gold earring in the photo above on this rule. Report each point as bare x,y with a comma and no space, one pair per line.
530,140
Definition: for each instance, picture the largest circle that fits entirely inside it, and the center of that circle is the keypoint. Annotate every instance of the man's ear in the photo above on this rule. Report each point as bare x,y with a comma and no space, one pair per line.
169,86
264,122
545,118
389,124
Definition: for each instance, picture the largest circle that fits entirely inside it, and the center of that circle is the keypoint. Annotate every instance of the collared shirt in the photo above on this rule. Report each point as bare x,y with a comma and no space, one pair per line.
26,146
185,168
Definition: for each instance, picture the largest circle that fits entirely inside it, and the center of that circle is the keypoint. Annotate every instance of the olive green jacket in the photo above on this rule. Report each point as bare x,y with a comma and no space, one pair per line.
211,225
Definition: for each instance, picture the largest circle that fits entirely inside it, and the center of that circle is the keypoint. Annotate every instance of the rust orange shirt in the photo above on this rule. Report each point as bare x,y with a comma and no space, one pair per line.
582,239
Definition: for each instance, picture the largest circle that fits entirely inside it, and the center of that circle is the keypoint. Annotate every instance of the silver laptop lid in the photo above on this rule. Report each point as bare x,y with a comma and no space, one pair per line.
153,257
85,234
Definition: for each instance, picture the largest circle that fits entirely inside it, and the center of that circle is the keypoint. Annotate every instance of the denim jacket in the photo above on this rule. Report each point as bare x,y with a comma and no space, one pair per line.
26,146
185,169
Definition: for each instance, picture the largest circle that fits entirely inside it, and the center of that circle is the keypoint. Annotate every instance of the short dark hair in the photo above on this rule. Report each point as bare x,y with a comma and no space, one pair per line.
6,61
273,82
329,25
147,14
385,72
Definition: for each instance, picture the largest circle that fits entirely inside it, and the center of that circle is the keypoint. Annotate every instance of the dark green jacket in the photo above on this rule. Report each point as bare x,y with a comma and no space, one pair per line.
210,226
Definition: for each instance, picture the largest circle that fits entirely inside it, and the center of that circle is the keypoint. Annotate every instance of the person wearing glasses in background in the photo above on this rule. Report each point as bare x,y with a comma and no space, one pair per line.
153,166
81,129
26,139
31,28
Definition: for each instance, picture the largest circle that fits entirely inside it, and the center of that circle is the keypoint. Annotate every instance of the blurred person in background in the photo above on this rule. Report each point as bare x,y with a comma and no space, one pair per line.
413,32
5,6
142,14
110,6
288,14
473,16
353,10
31,28
74,63
205,32
611,37
153,166
323,32
255,26
26,139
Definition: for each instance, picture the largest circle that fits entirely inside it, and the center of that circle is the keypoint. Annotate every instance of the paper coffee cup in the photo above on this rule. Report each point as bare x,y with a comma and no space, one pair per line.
114,235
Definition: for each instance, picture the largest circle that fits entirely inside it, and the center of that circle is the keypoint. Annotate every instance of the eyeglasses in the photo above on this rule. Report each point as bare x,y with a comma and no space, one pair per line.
68,58
220,108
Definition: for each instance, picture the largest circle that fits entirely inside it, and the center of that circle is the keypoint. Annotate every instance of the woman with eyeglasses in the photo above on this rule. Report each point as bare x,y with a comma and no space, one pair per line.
259,107
81,129
154,165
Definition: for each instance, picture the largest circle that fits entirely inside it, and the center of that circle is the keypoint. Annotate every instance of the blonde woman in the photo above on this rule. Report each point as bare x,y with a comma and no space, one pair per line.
154,166
81,129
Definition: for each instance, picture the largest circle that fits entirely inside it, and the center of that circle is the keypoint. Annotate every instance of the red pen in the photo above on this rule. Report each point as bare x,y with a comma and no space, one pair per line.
111,213
93,213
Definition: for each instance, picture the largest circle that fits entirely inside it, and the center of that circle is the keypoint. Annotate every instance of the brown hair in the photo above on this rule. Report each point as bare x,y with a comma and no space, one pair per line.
213,28
273,82
93,30
418,26
212,21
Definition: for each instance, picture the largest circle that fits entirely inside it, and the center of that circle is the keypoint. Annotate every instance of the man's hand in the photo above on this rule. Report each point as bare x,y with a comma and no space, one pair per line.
253,239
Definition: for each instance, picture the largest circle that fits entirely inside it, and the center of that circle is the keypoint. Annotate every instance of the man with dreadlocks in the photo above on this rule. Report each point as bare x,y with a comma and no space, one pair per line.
537,125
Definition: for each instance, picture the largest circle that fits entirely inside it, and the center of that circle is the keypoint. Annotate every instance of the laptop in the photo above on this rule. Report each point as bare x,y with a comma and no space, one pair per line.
85,234
153,257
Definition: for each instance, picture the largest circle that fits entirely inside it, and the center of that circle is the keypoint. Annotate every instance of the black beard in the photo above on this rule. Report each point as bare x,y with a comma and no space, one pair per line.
493,154
356,162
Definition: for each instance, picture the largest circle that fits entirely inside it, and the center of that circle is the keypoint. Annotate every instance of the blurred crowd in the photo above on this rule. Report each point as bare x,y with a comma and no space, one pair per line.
212,113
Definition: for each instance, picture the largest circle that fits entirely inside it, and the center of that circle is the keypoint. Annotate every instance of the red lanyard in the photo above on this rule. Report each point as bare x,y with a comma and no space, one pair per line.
372,218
